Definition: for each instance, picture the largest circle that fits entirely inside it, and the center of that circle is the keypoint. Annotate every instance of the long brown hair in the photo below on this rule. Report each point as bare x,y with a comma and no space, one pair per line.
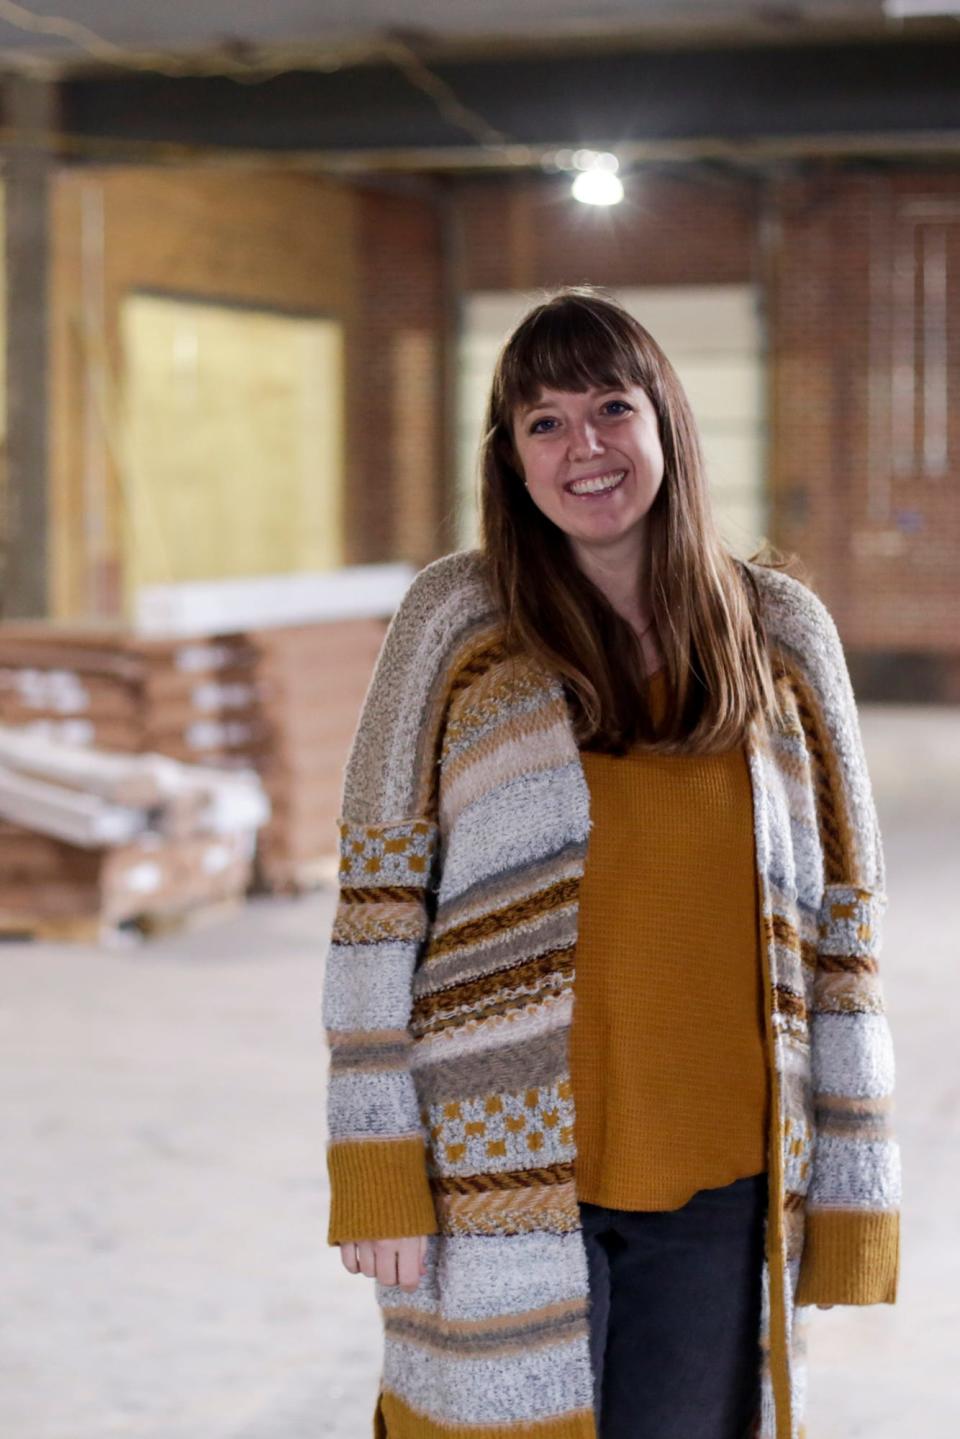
705,602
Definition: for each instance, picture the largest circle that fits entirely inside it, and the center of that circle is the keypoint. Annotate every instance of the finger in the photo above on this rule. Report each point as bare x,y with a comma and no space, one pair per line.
386,1261
408,1267
424,1246
348,1253
366,1258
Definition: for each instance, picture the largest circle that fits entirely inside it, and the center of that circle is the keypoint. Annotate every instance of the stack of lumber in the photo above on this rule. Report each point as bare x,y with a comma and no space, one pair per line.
91,839
311,680
316,636
100,685
282,701
266,674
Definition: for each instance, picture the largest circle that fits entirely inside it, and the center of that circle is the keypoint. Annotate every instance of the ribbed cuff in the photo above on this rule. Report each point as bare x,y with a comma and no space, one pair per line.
850,1256
379,1189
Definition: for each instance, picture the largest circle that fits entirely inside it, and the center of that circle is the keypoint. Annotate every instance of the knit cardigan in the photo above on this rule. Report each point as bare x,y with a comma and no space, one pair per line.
447,1002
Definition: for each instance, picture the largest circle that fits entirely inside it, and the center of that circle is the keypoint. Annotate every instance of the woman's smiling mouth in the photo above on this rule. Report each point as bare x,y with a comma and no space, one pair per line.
597,484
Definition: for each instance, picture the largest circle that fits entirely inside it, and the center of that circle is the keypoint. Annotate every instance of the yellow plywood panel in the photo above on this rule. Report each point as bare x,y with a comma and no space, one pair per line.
3,360
415,401
232,441
3,314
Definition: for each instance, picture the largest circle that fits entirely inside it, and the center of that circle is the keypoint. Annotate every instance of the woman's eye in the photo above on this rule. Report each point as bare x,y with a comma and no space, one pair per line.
535,427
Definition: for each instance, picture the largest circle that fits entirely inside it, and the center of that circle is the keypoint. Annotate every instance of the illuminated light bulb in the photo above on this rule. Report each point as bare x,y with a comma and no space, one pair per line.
597,187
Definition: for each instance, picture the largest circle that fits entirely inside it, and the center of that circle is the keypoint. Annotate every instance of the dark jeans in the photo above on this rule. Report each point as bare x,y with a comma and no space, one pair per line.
675,1314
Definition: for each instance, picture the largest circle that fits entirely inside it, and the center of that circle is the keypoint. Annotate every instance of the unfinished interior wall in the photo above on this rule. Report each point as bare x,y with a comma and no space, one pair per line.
232,441
856,274
865,297
853,276
286,243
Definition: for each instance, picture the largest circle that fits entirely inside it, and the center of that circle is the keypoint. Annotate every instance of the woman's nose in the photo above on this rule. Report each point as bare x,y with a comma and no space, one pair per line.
584,441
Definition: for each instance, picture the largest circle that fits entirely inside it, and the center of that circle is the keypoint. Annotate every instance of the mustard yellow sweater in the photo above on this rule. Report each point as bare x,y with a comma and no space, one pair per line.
668,1054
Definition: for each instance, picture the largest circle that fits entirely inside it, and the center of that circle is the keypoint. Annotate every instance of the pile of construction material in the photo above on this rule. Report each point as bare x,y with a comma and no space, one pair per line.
315,637
91,839
100,685
264,675
311,680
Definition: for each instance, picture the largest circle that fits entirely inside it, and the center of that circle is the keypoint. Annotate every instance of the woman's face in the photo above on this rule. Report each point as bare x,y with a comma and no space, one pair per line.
608,436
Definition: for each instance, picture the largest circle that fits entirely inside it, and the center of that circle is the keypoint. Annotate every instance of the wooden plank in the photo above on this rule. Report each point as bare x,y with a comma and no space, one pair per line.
79,818
88,929
133,781
356,591
94,929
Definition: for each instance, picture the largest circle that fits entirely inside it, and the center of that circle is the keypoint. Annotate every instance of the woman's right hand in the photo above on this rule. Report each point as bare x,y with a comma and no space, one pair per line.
392,1261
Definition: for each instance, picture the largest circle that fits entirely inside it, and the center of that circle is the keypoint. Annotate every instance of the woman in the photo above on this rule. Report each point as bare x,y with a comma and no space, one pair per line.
611,1076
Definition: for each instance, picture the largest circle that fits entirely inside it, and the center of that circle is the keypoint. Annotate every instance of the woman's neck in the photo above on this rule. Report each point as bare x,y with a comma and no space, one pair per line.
617,575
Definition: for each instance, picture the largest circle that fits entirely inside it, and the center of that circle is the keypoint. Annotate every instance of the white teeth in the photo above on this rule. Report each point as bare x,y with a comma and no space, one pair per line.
602,482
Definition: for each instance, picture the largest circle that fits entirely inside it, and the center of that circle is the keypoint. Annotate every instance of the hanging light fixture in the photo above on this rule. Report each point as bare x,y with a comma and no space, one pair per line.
597,182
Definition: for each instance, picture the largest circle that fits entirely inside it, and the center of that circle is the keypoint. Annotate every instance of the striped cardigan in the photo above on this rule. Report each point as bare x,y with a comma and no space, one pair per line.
447,1002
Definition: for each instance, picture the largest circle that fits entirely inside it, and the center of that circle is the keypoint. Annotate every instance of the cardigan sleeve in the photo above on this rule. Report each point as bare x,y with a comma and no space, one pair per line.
388,848
851,1249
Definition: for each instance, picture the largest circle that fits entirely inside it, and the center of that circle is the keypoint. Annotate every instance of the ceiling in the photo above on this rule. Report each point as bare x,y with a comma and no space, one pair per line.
443,84
60,34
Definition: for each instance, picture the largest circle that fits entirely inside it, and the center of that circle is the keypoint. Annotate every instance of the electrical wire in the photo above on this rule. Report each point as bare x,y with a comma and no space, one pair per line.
239,64
490,147
58,25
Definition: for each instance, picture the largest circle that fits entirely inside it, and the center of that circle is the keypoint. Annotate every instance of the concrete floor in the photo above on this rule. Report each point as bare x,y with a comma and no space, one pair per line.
163,1205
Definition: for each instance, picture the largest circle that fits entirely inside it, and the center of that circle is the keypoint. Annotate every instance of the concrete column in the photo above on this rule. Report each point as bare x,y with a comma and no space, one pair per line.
31,115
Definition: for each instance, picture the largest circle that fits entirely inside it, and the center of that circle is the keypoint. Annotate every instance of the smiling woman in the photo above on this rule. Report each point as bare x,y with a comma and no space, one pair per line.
601,451
595,506
611,1078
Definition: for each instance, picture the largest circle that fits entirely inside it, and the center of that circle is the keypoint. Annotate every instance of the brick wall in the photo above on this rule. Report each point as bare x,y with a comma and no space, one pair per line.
864,302
395,394
858,270
268,239
859,276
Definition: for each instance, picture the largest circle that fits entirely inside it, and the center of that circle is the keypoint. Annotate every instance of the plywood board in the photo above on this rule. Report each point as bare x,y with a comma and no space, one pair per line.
232,443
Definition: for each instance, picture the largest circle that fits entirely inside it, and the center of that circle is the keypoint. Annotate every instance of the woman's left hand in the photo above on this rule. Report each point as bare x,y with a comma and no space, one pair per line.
824,1306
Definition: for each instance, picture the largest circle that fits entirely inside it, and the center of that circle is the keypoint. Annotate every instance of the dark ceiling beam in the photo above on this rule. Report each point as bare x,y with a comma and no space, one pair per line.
667,98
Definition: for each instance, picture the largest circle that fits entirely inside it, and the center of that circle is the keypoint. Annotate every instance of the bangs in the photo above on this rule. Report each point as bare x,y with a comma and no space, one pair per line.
571,347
